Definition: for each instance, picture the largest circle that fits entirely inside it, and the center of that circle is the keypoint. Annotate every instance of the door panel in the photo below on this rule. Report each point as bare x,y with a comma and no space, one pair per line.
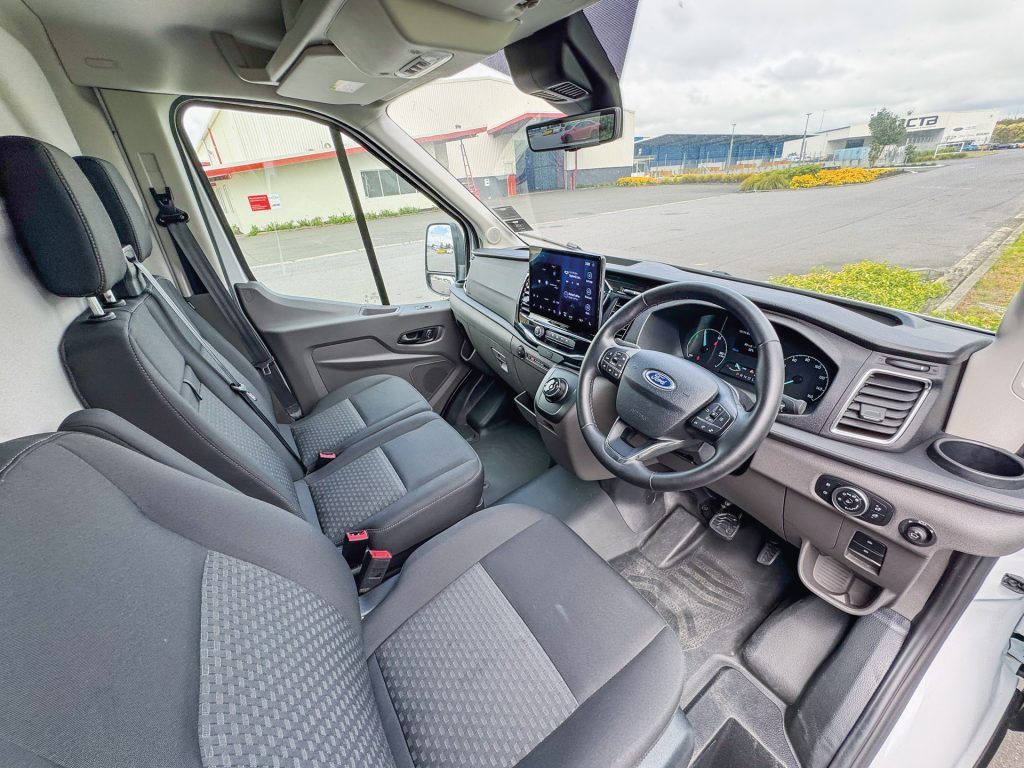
323,345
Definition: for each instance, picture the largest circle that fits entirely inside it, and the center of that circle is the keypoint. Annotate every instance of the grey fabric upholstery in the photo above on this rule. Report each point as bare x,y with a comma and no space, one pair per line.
306,700
501,694
200,627
614,654
402,485
354,411
145,363
58,219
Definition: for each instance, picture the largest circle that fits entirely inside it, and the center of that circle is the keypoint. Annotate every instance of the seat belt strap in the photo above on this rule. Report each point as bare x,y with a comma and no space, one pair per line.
219,364
175,221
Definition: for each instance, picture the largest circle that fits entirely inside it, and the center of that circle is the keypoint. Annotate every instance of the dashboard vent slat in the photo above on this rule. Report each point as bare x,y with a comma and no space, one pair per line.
882,406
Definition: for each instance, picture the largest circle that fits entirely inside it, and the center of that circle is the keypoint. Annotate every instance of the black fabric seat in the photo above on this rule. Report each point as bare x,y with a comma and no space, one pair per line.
401,471
152,617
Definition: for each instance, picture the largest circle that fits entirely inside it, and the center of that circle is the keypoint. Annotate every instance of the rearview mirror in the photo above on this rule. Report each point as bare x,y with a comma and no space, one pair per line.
576,132
445,250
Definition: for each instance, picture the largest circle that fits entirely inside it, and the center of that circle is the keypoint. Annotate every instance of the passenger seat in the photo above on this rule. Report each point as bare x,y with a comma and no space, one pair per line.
401,472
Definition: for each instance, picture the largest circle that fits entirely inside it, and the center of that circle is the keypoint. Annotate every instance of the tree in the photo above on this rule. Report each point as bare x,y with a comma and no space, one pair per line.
887,129
1009,131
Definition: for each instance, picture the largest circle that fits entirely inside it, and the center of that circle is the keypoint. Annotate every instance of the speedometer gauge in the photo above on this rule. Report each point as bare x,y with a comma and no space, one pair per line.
707,347
806,378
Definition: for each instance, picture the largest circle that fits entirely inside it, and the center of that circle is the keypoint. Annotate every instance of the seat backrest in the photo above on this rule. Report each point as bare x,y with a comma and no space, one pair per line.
150,617
135,358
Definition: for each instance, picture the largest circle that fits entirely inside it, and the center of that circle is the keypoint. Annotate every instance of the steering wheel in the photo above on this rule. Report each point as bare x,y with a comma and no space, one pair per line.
665,403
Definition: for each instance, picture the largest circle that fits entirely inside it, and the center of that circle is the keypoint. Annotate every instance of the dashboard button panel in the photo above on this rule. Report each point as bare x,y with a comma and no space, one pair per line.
853,501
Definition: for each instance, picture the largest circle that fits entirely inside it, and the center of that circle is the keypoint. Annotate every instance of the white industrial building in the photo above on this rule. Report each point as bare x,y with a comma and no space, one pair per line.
927,130
268,168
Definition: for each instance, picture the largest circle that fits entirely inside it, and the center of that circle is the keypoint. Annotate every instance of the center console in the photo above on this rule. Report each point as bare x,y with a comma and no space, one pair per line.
560,306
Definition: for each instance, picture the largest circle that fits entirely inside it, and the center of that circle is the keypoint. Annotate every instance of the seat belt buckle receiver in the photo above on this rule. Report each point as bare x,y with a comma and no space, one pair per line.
323,459
374,569
353,548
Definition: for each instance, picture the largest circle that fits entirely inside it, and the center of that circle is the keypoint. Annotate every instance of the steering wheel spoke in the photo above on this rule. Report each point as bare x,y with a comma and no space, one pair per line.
628,445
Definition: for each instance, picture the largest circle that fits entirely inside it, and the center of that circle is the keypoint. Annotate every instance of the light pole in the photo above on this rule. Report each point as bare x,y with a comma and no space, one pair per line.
728,158
803,143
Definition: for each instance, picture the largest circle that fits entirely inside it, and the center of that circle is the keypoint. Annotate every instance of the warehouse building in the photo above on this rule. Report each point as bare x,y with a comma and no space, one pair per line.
682,152
926,130
266,168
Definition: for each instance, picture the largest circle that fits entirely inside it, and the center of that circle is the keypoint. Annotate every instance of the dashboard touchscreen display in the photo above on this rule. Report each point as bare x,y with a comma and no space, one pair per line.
565,288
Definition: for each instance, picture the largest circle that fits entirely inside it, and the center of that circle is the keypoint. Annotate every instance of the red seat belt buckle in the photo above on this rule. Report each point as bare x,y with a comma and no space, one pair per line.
354,546
323,459
375,568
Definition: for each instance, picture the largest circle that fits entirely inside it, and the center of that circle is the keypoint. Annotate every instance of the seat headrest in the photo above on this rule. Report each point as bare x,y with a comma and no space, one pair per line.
130,221
58,219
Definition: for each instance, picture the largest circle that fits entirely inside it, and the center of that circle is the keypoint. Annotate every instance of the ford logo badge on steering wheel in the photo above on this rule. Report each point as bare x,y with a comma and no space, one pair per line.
659,379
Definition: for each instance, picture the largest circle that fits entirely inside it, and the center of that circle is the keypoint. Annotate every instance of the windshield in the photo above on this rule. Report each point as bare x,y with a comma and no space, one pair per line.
871,151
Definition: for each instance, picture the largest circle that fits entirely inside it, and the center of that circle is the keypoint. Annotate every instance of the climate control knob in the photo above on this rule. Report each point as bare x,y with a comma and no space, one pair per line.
555,389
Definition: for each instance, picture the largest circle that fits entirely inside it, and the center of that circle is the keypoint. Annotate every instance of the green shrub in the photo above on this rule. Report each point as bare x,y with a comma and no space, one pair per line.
762,182
778,178
871,281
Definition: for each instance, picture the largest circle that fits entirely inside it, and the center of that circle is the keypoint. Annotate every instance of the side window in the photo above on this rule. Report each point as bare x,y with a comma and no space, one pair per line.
279,182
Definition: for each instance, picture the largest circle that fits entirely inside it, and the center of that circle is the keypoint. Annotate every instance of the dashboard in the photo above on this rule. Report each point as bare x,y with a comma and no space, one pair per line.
867,394
716,340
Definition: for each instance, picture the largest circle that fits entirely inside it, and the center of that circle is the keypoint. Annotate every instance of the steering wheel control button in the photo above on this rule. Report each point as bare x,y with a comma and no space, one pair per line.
849,500
613,362
555,389
918,533
713,420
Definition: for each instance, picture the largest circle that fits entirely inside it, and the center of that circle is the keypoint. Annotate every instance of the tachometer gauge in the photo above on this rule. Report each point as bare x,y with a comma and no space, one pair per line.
806,378
707,347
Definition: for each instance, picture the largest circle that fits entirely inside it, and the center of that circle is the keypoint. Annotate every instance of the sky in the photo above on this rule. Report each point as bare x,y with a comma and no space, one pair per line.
698,67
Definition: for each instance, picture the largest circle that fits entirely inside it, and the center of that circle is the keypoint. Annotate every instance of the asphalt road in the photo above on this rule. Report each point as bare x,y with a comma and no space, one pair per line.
924,219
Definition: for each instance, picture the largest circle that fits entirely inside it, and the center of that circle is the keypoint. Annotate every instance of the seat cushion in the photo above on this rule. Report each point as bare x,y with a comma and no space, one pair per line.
151,618
508,642
348,414
402,484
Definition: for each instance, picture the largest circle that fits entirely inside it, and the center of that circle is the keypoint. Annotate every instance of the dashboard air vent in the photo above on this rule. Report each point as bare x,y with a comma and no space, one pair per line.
562,92
882,407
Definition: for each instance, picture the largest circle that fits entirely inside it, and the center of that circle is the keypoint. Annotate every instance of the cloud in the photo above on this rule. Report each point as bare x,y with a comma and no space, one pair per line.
696,67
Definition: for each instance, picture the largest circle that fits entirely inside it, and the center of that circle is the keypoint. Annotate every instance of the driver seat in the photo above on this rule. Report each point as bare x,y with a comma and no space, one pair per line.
153,617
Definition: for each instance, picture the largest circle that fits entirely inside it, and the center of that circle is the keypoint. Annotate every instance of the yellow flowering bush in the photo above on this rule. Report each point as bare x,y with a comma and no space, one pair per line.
635,181
837,177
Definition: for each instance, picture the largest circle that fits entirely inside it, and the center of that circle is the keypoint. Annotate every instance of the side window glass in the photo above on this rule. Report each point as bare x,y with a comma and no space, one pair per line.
279,182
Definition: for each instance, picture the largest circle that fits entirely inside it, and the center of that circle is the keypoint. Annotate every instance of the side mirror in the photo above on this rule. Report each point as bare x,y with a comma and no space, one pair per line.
445,257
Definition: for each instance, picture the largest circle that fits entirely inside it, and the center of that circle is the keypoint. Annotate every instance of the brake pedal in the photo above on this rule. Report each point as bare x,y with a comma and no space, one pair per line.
726,524
769,552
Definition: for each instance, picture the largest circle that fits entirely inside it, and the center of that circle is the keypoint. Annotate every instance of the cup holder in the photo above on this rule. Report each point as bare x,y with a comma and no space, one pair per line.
980,463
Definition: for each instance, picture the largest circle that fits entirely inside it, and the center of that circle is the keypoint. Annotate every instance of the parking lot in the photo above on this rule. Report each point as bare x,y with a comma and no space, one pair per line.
927,218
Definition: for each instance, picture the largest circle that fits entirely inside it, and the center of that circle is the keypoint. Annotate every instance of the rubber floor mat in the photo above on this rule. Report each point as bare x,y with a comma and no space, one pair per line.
513,455
715,596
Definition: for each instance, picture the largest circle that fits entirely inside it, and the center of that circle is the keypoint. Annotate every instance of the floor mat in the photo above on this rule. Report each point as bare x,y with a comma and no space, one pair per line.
513,454
713,598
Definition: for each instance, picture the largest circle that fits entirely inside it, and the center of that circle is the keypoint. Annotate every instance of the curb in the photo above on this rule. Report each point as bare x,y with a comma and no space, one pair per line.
966,273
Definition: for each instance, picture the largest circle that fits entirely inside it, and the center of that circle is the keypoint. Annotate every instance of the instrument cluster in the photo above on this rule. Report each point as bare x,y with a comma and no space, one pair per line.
721,344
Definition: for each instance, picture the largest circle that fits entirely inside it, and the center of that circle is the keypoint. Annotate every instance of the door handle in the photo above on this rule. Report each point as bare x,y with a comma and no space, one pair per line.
421,335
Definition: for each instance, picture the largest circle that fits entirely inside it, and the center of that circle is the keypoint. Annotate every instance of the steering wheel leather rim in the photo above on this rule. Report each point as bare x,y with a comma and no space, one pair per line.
739,442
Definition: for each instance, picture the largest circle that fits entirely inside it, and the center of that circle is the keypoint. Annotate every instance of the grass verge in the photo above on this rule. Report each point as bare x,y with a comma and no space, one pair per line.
985,304
899,288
